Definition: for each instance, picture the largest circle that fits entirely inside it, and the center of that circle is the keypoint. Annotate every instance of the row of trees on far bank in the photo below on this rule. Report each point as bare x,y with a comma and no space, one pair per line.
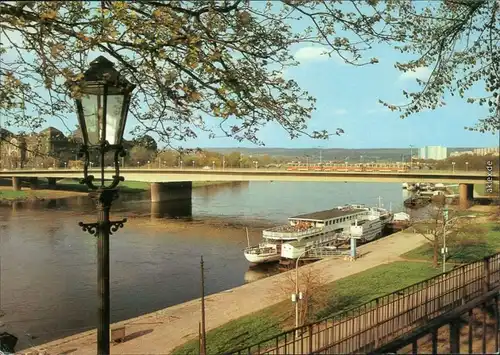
140,156
144,152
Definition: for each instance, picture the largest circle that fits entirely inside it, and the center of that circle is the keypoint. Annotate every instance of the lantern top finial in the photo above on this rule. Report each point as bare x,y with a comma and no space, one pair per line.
102,61
101,69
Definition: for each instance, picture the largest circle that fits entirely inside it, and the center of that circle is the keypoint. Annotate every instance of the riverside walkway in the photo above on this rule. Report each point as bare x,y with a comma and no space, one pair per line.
162,331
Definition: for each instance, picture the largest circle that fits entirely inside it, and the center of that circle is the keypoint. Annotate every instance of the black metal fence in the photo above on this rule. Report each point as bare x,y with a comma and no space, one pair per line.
384,319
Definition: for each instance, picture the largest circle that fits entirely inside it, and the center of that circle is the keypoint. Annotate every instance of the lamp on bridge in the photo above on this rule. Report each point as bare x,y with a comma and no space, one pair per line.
102,99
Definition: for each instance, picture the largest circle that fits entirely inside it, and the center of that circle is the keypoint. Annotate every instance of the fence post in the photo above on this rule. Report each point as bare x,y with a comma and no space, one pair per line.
486,262
377,310
463,285
426,305
310,338
455,337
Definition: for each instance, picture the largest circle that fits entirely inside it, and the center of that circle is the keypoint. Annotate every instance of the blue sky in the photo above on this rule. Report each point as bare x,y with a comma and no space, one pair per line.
347,98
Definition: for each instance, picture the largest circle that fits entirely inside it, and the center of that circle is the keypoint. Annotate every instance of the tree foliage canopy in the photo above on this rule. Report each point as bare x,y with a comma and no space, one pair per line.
225,59
147,142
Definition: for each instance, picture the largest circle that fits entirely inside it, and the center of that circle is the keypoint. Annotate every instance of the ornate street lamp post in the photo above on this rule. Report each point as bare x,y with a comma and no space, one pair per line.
102,101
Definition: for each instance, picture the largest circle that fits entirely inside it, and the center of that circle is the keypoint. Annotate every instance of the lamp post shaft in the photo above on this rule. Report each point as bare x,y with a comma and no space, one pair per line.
297,292
103,199
103,279
444,247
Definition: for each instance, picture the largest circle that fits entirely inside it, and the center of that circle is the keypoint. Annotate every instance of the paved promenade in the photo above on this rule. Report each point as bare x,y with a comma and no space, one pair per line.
160,332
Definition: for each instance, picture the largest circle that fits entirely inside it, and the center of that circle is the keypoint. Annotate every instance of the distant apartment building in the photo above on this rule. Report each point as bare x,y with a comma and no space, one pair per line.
465,152
486,151
435,152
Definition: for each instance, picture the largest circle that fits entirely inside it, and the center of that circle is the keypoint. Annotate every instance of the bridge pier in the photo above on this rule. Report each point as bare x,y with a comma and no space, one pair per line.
171,191
16,184
465,195
33,183
52,183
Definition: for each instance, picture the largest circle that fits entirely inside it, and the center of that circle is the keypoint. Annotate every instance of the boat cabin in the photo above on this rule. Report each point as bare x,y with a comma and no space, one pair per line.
327,218
307,225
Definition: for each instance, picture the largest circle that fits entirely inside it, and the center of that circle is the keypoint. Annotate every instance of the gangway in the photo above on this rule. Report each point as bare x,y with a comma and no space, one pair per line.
325,252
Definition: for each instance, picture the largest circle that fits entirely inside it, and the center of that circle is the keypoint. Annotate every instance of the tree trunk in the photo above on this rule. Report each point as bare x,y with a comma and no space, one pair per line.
435,257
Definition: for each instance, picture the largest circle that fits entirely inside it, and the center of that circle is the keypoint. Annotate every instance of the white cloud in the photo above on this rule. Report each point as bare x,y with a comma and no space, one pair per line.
315,53
374,110
310,54
421,73
340,112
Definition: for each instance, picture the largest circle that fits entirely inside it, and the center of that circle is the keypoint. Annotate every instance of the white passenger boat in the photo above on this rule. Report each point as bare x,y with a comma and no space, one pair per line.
370,224
384,215
367,228
400,221
289,241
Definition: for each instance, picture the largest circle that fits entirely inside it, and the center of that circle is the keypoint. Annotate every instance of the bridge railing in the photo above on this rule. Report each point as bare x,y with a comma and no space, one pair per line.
383,319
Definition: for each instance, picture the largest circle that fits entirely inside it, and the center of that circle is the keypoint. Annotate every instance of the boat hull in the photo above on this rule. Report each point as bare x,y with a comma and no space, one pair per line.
262,258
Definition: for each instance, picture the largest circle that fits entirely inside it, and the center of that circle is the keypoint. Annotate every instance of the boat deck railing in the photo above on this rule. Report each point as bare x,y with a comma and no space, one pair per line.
323,240
260,250
288,234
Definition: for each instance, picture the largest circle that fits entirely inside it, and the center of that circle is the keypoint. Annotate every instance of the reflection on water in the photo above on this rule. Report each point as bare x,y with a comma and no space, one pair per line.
258,272
172,209
48,283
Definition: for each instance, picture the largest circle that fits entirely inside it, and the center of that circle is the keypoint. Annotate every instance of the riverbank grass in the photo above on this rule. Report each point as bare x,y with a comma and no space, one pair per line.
13,195
480,190
9,195
126,186
465,252
342,294
73,185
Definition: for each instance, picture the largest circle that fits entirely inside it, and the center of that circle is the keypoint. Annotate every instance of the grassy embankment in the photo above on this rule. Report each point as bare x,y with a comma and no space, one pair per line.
342,294
480,189
66,186
477,249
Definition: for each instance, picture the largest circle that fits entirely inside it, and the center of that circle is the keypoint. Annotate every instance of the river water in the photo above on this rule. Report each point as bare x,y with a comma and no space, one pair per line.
48,265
